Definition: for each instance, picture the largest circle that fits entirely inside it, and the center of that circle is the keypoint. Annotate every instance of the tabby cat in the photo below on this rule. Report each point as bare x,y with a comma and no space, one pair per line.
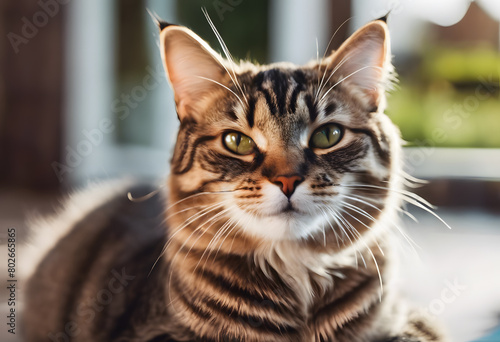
278,221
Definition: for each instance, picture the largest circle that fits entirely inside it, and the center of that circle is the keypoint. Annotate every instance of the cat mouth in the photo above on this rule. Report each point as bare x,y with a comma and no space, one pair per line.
289,210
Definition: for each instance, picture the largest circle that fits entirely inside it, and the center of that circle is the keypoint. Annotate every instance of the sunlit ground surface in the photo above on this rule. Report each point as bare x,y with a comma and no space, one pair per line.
456,275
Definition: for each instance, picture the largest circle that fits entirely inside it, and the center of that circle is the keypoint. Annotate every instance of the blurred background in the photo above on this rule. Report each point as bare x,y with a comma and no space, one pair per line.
83,97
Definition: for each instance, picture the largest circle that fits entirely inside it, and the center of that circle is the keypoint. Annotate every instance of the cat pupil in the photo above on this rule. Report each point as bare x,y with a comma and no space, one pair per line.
326,136
238,143
238,139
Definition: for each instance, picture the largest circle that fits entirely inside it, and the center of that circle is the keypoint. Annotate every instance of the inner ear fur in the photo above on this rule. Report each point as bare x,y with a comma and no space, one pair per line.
193,68
364,62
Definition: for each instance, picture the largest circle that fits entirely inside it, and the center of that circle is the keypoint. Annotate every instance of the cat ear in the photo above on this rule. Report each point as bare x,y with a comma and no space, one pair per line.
192,67
363,62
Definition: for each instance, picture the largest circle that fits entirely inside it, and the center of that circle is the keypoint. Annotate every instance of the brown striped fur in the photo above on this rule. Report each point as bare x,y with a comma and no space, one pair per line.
242,260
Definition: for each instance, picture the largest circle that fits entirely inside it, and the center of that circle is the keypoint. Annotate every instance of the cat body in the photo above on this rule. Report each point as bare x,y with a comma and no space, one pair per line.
280,213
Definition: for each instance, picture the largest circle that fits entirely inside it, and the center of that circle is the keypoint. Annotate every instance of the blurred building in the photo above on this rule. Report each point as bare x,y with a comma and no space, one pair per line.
31,93
477,27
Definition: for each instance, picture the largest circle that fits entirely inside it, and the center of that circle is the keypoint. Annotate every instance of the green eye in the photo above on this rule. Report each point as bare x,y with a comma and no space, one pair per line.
238,143
326,136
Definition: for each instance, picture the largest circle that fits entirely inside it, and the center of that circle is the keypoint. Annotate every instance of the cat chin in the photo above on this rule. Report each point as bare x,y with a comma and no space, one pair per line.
281,219
284,226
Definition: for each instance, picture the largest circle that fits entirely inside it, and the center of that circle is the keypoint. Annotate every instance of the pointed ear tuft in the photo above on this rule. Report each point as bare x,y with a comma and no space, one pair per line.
163,24
385,17
156,18
192,67
363,63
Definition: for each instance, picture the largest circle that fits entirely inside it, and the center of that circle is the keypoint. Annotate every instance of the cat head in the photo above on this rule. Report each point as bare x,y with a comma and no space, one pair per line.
280,151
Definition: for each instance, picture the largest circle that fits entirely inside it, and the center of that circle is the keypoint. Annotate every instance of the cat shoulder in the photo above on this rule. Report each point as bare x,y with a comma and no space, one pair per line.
46,231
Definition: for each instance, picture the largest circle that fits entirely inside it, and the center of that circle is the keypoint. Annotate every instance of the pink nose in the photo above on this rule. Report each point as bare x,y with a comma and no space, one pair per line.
288,183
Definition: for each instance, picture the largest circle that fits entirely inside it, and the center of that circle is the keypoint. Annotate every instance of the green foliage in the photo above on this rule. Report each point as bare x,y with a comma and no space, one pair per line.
242,24
437,114
461,65
451,100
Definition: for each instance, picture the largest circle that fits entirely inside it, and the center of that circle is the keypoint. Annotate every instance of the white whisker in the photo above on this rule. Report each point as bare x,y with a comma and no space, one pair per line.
167,244
222,85
324,55
365,225
381,292
411,181
187,209
407,238
407,196
220,192
353,230
402,192
330,224
213,219
226,53
345,78
213,240
341,223
325,82
234,226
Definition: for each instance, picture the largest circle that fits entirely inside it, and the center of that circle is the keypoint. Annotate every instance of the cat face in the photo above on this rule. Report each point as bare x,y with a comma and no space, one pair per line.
282,152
